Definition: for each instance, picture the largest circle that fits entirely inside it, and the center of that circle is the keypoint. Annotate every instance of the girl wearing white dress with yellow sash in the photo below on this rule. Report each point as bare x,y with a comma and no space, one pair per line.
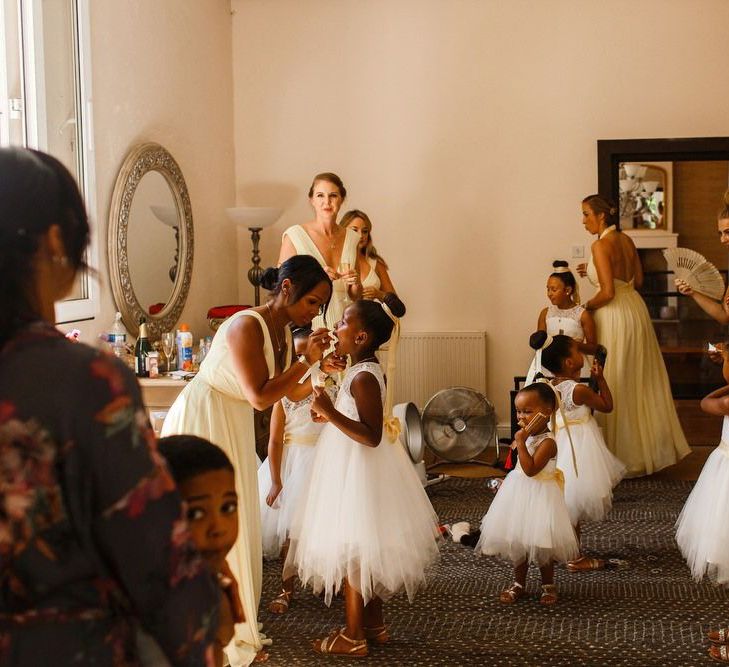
590,477
324,240
528,521
643,430
701,530
250,366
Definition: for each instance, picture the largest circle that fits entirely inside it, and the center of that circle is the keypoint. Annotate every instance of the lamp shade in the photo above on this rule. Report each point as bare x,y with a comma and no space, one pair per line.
166,214
254,216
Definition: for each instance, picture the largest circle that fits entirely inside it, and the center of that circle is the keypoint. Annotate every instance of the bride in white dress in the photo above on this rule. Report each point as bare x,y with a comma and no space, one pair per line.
333,247
643,430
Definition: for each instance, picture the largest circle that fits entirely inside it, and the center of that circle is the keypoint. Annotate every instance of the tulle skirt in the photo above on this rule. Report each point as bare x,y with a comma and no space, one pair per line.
276,521
528,521
364,516
589,494
702,531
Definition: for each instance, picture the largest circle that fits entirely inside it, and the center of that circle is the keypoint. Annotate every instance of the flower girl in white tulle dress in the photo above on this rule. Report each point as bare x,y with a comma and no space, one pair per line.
528,521
589,491
283,476
702,531
365,520
565,316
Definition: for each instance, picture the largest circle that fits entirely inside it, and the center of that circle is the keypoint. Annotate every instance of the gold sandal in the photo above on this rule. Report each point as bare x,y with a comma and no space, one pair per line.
720,653
511,594
585,563
377,634
281,603
549,595
719,637
357,648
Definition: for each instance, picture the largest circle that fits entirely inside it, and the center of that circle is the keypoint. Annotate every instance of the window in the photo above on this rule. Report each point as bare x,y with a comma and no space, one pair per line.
45,103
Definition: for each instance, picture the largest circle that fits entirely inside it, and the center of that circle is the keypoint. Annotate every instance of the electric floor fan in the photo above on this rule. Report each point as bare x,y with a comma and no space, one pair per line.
459,427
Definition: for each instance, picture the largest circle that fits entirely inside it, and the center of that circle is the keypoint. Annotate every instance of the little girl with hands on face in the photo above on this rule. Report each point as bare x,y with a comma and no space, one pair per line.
528,521
589,489
365,521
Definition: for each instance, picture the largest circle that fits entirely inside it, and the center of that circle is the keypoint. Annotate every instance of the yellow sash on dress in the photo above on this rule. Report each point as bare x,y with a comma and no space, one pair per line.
307,440
555,476
572,422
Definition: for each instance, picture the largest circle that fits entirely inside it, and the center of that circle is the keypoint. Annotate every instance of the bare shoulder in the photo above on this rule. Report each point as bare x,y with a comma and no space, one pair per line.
244,328
365,381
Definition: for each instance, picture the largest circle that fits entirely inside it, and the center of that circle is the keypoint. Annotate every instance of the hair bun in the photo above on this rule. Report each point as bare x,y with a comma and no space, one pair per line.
559,263
269,278
537,340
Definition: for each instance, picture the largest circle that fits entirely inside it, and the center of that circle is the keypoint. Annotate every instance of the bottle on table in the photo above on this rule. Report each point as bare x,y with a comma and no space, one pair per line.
141,352
184,348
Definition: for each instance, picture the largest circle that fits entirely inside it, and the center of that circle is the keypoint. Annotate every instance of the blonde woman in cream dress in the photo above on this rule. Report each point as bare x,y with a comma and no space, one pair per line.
643,430
250,366
371,268
333,247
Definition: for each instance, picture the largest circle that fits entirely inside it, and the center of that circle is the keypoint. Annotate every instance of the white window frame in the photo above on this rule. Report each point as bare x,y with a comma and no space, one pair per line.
30,28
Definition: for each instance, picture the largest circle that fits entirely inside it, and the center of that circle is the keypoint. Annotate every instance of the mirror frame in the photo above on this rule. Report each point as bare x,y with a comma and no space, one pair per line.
139,161
611,152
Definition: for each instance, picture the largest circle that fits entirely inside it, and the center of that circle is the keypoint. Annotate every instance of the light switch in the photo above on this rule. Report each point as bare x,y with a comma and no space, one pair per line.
578,252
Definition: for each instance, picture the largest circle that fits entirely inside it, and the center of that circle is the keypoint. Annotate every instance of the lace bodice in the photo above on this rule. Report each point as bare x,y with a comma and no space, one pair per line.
532,443
298,418
345,401
566,390
565,321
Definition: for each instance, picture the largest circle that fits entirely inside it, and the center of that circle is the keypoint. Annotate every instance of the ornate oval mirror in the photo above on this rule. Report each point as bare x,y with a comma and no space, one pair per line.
150,240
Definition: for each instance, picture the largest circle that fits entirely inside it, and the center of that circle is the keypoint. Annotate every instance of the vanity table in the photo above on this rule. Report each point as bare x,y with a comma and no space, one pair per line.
158,395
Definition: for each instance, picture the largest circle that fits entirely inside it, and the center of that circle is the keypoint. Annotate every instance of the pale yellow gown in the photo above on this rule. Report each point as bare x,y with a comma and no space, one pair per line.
304,245
213,406
643,429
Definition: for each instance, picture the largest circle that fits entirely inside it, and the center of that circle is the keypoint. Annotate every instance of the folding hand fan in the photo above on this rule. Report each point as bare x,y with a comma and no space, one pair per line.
700,274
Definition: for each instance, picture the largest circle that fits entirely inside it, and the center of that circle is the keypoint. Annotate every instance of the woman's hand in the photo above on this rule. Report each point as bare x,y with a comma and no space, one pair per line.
582,269
230,589
372,293
332,273
333,363
316,343
683,287
273,493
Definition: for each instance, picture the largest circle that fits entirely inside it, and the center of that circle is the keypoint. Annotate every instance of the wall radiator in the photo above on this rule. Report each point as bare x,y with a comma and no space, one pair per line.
429,362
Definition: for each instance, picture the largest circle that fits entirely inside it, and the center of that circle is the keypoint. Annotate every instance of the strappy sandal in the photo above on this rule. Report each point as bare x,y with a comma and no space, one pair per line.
512,594
354,648
281,603
584,564
719,653
377,634
719,637
549,595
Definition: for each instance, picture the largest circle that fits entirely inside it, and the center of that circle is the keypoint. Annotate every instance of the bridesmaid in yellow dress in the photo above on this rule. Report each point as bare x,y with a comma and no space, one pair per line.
324,240
643,429
250,366
371,267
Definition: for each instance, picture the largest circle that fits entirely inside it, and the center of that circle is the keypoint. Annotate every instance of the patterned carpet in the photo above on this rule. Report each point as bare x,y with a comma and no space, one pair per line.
645,611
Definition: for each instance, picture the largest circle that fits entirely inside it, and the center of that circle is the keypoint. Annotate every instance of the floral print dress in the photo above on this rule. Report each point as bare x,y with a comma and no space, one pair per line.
92,536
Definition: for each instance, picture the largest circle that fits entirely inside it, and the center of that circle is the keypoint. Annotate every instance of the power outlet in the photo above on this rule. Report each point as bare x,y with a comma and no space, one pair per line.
578,252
